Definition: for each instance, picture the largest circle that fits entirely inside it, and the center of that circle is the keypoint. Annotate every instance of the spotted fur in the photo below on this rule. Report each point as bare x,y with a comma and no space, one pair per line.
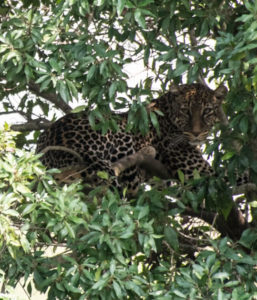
190,111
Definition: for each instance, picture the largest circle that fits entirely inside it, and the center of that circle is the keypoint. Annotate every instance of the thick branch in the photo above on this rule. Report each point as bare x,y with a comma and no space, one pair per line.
245,189
52,97
233,226
145,159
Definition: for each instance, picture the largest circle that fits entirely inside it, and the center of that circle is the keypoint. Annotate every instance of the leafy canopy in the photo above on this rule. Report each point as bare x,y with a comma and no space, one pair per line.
58,55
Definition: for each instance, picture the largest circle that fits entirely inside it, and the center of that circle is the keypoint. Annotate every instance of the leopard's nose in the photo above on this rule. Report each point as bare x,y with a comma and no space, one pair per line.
196,133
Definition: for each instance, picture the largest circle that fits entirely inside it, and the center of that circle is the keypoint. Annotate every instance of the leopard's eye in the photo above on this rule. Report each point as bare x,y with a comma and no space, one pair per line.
208,116
207,111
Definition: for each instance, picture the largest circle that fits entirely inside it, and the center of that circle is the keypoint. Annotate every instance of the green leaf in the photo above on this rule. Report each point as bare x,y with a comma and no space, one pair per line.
21,188
228,155
186,4
139,18
42,78
79,108
9,55
3,48
221,275
248,238
45,84
28,72
72,88
143,122
25,244
117,290
54,64
99,2
10,212
144,211
128,233
100,49
91,72
120,6
180,68
135,288
179,294
154,121
103,175
70,230
113,89
100,284
204,28
69,287
29,208
47,282
171,237
143,3
63,90
181,177
244,124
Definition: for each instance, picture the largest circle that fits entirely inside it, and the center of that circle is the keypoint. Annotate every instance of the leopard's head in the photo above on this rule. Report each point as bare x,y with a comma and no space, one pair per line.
196,110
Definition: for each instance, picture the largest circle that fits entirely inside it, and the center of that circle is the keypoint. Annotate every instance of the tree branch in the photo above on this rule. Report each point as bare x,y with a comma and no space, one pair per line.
232,226
52,97
37,124
145,159
194,45
245,189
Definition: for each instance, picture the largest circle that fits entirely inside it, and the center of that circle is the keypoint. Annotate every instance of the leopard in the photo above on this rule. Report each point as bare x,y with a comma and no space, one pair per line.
189,112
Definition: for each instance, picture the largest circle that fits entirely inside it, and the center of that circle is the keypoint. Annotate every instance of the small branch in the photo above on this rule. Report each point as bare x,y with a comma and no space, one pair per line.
52,97
32,125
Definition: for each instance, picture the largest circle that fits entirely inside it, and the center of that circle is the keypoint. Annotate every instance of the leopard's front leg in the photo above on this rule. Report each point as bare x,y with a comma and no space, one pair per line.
183,157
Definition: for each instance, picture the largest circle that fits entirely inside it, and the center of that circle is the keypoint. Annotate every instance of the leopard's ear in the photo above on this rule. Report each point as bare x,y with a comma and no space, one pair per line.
221,92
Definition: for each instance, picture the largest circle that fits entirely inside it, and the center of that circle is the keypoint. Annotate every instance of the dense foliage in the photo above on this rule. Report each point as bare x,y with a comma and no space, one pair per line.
62,54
